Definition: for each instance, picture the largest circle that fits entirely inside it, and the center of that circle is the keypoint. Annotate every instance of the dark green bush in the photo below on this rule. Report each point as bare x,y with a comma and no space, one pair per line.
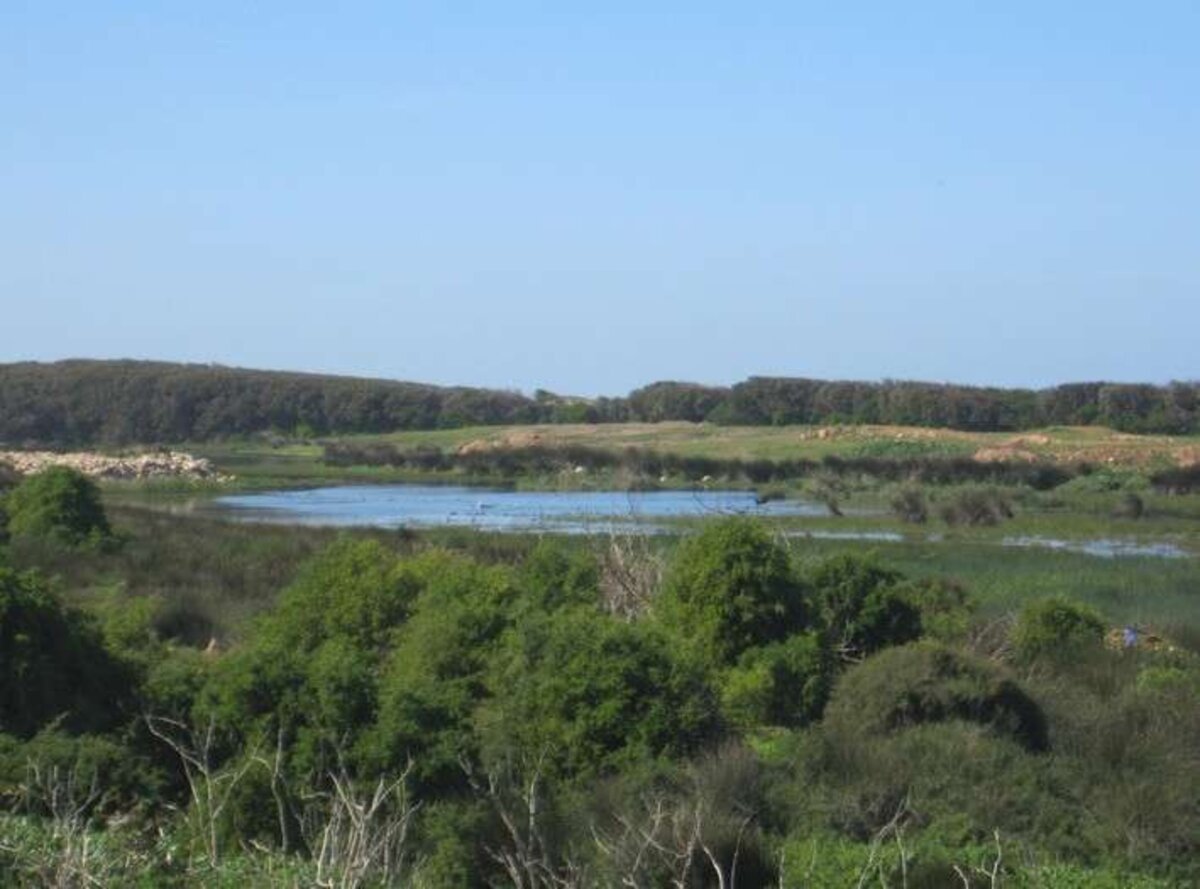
730,588
53,663
593,693
434,678
860,606
113,775
1056,628
928,682
784,684
58,503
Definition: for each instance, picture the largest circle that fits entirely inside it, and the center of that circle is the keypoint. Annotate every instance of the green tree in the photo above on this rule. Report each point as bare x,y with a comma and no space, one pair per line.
862,606
1055,628
784,684
730,588
592,694
60,503
928,682
53,663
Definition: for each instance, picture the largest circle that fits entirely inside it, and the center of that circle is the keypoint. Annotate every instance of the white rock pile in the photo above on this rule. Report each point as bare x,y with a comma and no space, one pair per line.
160,464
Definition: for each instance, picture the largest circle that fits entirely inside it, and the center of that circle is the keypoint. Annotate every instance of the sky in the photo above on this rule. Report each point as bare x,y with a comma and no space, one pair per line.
589,197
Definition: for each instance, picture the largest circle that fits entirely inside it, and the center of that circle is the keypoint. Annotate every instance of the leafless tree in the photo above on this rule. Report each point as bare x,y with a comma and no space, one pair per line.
989,874
67,799
210,784
514,792
631,572
359,835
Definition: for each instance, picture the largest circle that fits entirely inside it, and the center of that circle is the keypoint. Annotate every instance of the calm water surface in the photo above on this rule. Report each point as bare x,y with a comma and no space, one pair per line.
424,506
584,512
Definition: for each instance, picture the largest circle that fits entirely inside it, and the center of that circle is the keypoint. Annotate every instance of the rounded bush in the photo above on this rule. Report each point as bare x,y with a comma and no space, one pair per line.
595,694
58,502
731,588
926,682
862,607
785,684
53,663
1056,627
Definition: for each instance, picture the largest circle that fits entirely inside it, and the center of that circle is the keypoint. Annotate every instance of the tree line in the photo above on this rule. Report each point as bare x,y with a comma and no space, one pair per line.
82,402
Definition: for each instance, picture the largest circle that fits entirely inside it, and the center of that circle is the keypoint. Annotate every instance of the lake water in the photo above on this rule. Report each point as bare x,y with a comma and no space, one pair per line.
425,506
1104,548
585,512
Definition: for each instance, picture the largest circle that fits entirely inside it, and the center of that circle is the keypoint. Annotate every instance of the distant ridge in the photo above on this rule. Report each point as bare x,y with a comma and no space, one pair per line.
91,402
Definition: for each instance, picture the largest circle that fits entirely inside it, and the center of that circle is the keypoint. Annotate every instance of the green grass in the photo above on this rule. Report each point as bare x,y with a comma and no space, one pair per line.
1164,593
1069,444
212,575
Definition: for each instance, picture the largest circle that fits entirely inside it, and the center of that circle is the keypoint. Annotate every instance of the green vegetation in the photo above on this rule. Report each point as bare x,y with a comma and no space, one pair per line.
116,402
57,503
1056,628
457,709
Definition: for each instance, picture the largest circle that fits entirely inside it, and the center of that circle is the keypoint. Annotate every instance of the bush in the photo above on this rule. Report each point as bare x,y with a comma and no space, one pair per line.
58,503
860,606
976,507
1130,506
1056,628
434,678
731,588
783,684
53,663
64,763
594,693
927,682
910,505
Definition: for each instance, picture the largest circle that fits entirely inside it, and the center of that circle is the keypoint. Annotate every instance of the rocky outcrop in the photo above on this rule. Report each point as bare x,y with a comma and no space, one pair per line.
157,465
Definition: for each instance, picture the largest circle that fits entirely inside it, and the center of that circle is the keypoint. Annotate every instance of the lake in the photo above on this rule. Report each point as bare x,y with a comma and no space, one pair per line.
586,512
425,506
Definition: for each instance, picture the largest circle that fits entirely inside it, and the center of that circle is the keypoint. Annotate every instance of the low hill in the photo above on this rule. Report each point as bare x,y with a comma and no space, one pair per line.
84,402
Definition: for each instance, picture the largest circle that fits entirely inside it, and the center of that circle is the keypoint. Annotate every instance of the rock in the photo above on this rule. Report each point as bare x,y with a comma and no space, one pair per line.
162,464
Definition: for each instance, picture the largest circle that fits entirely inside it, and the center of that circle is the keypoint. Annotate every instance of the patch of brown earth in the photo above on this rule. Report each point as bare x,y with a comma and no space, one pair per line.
1004,454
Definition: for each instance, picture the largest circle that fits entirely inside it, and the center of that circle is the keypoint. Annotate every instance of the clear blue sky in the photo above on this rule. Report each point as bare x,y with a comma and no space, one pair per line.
542,194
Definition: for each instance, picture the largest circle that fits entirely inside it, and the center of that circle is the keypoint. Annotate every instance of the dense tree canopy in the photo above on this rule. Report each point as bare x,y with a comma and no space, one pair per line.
106,402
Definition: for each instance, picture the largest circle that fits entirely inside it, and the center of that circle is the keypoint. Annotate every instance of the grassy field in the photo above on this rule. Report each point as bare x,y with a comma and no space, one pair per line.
1059,444
262,462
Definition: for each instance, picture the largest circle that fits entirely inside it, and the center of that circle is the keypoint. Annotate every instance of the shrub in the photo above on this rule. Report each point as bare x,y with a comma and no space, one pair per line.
976,507
59,503
594,693
53,663
928,682
784,684
1130,506
945,607
355,589
1056,628
61,763
910,505
861,606
731,588
434,677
